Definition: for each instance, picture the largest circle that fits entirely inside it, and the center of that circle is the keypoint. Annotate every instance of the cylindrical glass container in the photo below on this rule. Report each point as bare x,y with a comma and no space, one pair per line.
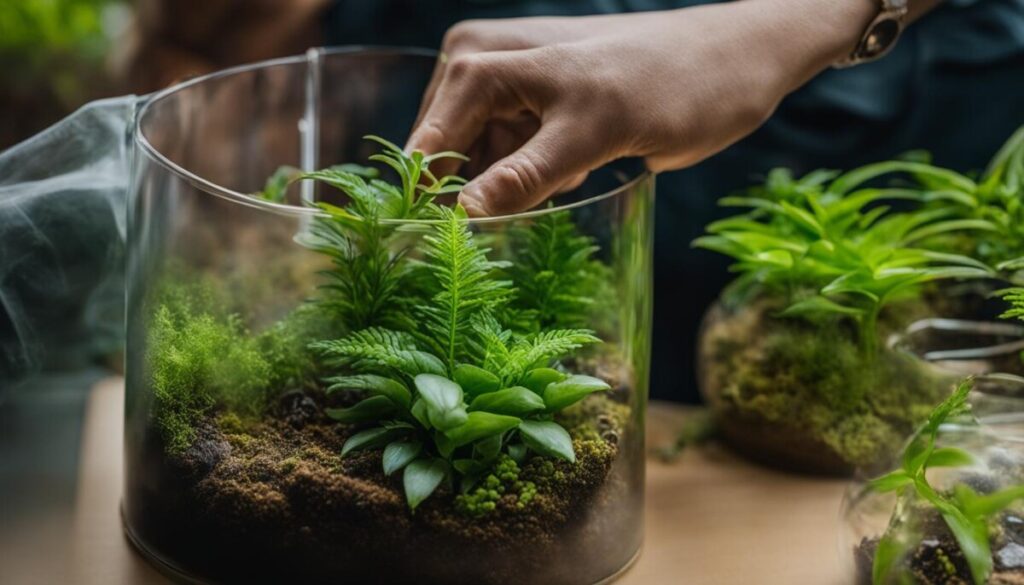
902,532
233,449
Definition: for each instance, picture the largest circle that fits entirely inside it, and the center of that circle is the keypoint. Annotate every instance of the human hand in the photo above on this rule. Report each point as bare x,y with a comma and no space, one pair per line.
537,103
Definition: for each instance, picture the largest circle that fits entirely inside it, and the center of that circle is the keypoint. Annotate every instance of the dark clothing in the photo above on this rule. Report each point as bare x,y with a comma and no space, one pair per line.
954,85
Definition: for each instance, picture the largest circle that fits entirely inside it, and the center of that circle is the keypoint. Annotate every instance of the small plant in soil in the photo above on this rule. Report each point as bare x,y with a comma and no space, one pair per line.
430,403
963,532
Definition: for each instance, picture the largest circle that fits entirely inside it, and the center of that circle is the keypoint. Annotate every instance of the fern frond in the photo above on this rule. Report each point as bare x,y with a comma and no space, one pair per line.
555,272
464,285
539,349
378,350
1014,296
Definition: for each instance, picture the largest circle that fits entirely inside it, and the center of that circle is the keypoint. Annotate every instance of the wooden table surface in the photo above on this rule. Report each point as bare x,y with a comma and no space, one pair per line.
711,518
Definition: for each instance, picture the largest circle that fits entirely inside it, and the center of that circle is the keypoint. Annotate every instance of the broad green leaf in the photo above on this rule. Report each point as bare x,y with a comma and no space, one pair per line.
972,536
952,225
419,412
571,390
488,449
515,401
891,481
888,556
444,400
547,438
379,385
988,505
475,381
368,439
537,380
950,457
398,454
480,425
421,478
373,408
820,306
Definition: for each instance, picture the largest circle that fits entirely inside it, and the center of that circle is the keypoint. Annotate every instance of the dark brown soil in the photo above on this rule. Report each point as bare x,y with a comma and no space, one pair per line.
938,560
273,501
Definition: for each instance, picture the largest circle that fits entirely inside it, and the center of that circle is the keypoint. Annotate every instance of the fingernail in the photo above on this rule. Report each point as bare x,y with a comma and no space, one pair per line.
473,202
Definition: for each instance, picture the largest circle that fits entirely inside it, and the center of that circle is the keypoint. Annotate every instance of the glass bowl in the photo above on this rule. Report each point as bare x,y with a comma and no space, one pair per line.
917,537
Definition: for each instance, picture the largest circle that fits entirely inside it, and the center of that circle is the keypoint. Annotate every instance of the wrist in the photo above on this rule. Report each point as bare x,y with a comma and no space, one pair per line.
811,35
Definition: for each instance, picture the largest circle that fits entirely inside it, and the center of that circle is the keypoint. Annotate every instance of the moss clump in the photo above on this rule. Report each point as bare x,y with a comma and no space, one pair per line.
198,360
502,482
285,346
816,380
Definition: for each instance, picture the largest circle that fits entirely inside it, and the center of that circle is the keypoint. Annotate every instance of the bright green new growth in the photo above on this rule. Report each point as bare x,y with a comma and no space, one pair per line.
450,392
966,513
1014,296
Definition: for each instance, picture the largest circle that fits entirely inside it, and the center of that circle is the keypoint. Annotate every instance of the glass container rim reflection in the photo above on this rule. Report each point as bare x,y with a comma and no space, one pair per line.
312,56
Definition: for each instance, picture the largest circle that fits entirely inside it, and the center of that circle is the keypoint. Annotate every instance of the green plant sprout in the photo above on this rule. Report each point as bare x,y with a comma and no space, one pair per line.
834,249
449,390
966,512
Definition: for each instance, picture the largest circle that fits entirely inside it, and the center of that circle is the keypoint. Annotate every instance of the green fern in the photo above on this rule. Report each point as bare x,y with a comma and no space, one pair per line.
380,351
556,273
464,286
1014,296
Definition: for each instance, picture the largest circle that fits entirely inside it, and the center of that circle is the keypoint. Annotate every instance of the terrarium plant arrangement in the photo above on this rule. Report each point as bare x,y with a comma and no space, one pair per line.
951,511
432,414
794,359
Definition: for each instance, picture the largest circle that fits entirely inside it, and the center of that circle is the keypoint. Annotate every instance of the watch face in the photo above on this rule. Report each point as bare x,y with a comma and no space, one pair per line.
880,38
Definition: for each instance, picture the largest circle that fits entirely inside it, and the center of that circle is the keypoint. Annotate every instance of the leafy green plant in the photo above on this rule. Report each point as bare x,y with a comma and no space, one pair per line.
447,400
834,248
370,284
966,512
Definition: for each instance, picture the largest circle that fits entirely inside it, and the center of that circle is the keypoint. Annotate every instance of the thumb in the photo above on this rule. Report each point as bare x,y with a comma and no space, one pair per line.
547,162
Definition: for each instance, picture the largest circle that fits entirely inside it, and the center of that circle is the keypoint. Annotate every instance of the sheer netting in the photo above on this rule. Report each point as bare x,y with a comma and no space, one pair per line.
62,230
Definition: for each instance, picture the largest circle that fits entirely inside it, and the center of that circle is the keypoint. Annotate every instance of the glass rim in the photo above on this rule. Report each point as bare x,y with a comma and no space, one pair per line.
299,211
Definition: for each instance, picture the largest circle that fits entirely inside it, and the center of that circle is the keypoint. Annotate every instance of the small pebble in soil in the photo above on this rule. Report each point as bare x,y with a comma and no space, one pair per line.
297,408
1011,556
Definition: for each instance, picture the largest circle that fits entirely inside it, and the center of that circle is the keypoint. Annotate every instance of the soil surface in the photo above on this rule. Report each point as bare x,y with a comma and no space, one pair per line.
273,501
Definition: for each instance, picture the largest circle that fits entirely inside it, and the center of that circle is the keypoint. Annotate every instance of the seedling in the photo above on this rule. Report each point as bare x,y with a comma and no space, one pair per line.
967,513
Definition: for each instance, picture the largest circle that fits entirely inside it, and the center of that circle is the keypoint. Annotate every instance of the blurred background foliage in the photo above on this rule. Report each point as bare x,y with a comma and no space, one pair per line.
54,58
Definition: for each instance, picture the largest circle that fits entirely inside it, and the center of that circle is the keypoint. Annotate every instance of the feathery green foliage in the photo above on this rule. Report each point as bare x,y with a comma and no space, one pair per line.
471,391
1014,296
369,284
449,391
464,285
558,278
966,513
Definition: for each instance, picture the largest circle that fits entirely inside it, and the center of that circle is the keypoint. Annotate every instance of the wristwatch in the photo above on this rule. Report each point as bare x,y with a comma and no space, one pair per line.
880,36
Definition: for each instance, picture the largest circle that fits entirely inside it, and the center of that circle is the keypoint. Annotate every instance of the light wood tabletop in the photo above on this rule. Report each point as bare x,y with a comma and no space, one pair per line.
712,519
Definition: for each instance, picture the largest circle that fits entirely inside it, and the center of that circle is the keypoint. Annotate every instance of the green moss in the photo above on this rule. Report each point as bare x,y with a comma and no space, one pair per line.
816,378
503,482
198,360
285,346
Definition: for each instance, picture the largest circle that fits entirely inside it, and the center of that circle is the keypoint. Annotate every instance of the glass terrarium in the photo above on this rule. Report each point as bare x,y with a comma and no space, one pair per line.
951,510
336,375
